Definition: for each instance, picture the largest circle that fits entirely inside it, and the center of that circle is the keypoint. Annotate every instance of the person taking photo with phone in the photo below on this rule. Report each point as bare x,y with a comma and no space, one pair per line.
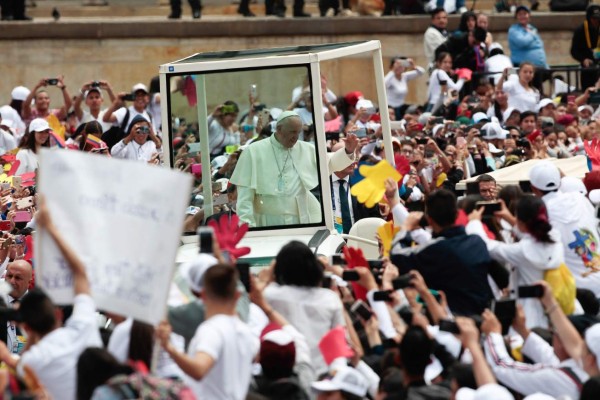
42,108
539,249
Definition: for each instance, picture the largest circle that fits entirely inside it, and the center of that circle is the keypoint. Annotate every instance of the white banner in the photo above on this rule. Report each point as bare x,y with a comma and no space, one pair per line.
123,219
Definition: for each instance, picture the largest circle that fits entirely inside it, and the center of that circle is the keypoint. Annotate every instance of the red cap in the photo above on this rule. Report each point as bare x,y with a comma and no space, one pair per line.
353,97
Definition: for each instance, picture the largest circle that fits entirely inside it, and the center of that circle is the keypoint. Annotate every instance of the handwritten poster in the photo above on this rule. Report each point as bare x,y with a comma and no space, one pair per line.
123,219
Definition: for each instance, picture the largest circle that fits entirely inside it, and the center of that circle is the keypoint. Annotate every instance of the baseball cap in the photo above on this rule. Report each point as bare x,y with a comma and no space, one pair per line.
347,379
9,123
495,45
193,271
20,93
593,11
38,125
485,392
277,348
364,103
545,176
522,8
480,117
353,97
544,102
493,130
586,107
139,86
92,89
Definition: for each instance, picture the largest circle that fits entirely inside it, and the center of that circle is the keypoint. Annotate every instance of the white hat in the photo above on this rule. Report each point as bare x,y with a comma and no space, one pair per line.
364,103
594,196
193,271
572,184
592,340
20,93
279,337
285,115
93,89
347,379
493,130
218,162
9,123
586,107
486,392
543,103
479,117
223,182
38,125
545,176
436,129
508,112
495,45
139,86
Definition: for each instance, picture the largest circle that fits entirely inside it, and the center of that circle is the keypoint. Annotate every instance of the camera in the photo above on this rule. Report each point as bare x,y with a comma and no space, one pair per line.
52,82
95,84
523,143
128,97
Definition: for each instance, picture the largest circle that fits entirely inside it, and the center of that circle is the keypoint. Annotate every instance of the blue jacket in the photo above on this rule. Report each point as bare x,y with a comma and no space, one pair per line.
454,262
526,46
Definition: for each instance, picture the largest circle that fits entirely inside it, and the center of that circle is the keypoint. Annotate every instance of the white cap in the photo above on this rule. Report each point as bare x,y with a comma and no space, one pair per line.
543,103
38,125
545,176
592,340
436,129
479,116
364,103
586,107
193,271
139,86
20,93
486,392
9,124
223,182
572,184
279,337
495,45
539,396
219,161
493,130
347,379
508,112
93,89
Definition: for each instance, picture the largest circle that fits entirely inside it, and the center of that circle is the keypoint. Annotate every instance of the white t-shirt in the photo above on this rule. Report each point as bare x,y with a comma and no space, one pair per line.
435,87
7,141
519,97
397,89
54,358
87,117
232,346
7,112
28,160
118,346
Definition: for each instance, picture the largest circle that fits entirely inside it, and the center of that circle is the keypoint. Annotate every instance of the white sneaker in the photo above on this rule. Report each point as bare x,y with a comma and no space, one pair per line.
330,12
462,10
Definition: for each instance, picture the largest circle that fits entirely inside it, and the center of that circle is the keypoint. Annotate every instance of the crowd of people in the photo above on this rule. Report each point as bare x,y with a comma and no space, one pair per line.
490,292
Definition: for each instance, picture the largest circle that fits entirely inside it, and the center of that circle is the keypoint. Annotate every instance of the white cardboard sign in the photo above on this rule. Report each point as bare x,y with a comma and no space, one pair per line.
124,220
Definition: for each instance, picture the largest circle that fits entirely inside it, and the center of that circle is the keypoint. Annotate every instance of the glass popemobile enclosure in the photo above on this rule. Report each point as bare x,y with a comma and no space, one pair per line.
222,107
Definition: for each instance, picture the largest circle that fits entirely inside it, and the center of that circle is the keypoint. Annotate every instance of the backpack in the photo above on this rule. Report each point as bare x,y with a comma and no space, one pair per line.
148,387
569,5
116,133
562,282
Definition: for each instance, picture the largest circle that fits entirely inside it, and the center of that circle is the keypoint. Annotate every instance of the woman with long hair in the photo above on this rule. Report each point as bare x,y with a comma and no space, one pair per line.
539,250
522,95
441,81
401,71
37,137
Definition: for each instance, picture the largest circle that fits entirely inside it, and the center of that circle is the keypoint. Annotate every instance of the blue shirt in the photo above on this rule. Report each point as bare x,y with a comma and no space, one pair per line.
526,45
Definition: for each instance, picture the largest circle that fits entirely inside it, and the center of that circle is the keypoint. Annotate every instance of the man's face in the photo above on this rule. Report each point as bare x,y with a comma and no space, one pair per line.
93,100
289,132
440,20
19,277
141,131
528,124
487,190
42,101
141,100
523,17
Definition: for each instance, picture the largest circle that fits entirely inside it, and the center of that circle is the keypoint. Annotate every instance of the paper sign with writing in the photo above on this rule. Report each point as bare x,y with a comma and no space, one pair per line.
124,220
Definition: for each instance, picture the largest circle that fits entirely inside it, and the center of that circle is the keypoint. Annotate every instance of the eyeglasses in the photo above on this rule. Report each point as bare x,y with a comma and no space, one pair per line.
144,130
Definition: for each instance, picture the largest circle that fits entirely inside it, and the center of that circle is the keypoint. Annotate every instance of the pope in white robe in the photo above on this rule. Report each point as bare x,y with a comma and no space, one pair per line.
274,176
